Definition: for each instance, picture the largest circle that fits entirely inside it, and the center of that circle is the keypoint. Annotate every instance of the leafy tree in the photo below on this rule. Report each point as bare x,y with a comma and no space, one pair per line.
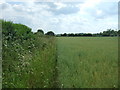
40,31
22,31
50,33
8,30
71,34
64,34
109,32
118,32
77,34
88,34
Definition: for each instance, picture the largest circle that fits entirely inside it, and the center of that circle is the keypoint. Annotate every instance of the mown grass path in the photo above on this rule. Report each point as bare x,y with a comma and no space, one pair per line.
87,62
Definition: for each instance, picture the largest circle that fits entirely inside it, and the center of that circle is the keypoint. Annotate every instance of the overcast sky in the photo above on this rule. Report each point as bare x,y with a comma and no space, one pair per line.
90,16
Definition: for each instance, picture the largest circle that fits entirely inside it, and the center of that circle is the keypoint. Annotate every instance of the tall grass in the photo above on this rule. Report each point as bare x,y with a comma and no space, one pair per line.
87,62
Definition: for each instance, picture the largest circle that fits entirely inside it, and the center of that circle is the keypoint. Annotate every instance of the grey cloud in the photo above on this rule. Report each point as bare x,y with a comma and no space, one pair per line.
4,6
69,9
50,4
18,9
108,9
66,10
73,3
61,23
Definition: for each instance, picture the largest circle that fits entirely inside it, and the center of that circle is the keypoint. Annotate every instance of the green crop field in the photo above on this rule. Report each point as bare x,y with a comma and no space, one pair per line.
87,62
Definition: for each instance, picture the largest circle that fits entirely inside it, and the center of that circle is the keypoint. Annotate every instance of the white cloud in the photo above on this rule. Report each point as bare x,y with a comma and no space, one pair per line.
60,5
63,17
99,12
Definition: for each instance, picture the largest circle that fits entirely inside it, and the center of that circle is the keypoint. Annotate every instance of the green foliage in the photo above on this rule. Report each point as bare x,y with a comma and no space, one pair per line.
8,30
40,31
107,33
110,32
119,32
50,33
22,31
28,59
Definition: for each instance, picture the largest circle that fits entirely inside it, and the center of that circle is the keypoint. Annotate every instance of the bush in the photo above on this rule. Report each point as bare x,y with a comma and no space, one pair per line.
28,59
50,33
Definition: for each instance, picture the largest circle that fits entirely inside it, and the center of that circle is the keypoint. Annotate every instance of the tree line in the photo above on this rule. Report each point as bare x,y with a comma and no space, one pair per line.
40,31
15,31
107,33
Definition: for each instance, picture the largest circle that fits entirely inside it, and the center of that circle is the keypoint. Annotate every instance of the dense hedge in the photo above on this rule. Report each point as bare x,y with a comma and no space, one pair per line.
28,59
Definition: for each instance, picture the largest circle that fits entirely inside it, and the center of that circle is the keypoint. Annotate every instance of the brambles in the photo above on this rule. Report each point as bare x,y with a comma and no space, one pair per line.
28,58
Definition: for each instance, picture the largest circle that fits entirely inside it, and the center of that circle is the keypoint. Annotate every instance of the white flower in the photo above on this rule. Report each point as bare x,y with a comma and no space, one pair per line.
62,85
23,56
114,86
44,86
41,72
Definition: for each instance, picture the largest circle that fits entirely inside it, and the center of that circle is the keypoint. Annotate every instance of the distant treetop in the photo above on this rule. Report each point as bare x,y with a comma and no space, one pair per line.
51,33
40,30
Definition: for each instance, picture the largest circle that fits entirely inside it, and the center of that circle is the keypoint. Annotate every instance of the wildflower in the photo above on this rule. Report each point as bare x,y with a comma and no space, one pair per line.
5,45
22,56
41,72
31,72
33,45
114,86
44,86
62,85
